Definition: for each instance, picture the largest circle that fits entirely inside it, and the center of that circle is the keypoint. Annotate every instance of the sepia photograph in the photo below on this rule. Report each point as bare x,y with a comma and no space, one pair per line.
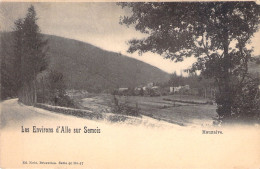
130,84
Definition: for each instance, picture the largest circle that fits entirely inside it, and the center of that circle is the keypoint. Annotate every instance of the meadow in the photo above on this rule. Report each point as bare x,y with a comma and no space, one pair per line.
183,110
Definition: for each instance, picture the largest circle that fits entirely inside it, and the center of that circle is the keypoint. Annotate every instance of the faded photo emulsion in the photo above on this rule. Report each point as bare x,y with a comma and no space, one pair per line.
130,84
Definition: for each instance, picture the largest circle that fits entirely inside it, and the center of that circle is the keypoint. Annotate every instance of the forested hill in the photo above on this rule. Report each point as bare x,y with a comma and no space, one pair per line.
85,66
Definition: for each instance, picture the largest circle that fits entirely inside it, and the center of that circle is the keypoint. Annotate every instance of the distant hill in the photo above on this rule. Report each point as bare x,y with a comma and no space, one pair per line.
88,67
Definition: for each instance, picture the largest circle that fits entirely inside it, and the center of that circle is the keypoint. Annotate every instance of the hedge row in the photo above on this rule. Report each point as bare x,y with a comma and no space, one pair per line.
186,101
70,111
84,113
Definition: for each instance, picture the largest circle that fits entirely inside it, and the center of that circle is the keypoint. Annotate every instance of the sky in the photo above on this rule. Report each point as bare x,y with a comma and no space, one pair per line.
94,23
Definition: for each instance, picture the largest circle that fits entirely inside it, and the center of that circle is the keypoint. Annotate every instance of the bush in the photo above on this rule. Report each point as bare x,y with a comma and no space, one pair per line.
258,61
244,101
52,90
66,101
247,102
124,108
69,111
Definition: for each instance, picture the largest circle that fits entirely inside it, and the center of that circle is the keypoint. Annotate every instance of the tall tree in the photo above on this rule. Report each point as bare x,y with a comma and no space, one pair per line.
216,33
30,53
17,46
176,80
7,85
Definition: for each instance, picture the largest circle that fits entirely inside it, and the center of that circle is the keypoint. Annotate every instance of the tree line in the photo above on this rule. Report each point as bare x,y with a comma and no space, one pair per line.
24,66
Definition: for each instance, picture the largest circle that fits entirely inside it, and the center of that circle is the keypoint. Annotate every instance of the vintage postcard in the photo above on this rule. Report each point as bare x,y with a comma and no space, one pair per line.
130,84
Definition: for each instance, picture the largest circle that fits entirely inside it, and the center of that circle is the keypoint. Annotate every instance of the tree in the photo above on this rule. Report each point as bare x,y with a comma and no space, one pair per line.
30,55
7,87
51,89
176,80
216,33
18,46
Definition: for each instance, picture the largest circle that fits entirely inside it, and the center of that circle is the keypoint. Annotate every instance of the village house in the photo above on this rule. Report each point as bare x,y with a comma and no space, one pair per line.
150,85
122,89
179,88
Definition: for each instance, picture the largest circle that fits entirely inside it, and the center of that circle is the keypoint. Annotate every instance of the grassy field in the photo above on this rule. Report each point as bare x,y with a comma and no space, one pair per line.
181,113
183,110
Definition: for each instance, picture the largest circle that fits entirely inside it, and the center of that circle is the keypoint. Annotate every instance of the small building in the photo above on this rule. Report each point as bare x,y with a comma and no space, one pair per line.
138,88
186,87
150,85
171,89
122,89
177,89
155,87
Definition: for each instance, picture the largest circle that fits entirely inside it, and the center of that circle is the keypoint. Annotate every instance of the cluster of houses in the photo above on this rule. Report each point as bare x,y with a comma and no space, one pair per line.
149,89
179,89
152,90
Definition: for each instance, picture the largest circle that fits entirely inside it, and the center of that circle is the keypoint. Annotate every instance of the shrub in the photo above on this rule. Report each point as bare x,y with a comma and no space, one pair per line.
245,102
124,108
52,90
